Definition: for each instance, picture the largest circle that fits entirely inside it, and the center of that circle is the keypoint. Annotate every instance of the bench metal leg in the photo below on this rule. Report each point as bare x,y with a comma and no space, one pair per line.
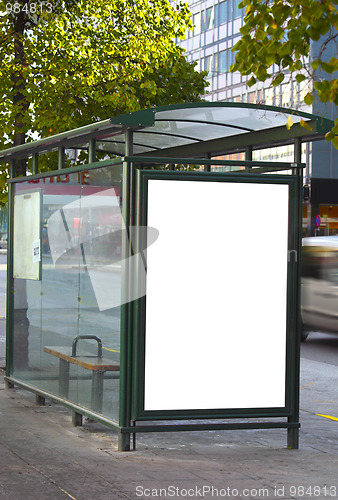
64,379
97,391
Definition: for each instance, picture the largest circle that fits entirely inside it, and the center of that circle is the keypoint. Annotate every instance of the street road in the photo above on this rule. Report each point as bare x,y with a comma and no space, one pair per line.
321,347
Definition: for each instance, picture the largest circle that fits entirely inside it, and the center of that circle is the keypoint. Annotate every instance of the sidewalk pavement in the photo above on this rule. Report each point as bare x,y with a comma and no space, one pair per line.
43,457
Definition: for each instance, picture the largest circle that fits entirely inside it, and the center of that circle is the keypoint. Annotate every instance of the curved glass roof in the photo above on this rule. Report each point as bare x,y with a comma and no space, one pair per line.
188,129
210,123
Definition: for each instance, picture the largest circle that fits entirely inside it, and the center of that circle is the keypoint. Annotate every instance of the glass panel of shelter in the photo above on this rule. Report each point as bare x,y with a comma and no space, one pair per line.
100,283
78,293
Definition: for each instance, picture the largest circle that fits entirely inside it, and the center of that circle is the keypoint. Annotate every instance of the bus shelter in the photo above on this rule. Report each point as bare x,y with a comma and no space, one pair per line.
155,286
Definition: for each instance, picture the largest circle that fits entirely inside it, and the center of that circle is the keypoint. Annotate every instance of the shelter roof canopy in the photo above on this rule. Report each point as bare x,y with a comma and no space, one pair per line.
187,129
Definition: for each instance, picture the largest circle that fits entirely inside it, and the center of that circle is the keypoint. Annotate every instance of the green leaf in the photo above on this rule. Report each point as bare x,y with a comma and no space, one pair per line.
251,81
315,64
278,80
308,99
285,49
329,68
300,78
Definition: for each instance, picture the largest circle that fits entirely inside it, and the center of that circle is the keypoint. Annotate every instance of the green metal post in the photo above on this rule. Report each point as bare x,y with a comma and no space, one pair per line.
10,281
293,432
126,309
61,158
248,153
207,168
12,169
297,150
92,151
248,157
35,166
297,153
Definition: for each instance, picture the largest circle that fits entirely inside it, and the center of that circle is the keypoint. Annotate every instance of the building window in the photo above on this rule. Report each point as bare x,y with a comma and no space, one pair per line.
201,65
269,96
222,61
237,11
197,23
223,12
208,64
208,19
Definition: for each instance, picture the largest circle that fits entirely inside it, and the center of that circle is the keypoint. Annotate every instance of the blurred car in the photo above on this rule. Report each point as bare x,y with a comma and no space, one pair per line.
319,297
3,240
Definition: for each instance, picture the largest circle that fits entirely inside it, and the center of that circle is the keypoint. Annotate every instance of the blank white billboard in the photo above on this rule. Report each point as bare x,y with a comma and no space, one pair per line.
216,295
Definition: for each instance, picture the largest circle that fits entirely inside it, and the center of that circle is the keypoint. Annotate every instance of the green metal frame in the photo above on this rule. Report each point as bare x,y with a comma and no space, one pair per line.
138,413
64,171
10,282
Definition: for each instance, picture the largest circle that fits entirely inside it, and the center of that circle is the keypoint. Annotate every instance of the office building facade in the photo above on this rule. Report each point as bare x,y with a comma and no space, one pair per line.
216,31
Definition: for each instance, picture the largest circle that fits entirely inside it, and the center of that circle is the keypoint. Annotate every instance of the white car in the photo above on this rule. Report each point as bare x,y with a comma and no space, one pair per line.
319,293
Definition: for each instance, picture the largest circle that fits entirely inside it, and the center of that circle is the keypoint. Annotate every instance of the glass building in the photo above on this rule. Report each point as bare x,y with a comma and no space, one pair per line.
216,31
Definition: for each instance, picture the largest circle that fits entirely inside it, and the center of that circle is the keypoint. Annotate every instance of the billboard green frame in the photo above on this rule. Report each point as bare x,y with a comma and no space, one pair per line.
139,340
132,415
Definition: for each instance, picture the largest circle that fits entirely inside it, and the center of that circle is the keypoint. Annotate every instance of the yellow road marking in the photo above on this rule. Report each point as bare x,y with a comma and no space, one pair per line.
307,385
66,492
111,350
327,416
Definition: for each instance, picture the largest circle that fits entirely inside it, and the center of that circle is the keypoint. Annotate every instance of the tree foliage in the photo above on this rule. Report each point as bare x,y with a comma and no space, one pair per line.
68,63
279,32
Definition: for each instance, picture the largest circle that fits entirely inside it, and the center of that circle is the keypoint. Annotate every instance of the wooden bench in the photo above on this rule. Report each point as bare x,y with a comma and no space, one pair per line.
96,364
